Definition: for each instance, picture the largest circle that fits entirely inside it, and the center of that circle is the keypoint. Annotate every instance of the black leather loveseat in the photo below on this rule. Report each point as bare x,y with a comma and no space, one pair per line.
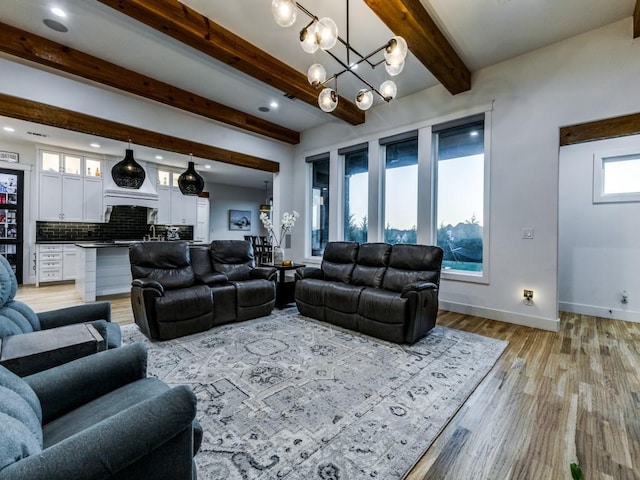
386,291
179,290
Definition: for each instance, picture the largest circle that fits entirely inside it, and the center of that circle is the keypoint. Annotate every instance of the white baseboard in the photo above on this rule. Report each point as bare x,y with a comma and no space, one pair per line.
603,312
503,316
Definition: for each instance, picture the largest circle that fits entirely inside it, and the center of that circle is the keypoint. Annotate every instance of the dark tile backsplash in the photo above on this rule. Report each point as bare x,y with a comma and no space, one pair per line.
126,223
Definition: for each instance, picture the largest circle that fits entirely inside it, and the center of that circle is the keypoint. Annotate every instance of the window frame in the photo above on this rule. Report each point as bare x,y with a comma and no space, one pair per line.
311,160
599,160
462,275
342,156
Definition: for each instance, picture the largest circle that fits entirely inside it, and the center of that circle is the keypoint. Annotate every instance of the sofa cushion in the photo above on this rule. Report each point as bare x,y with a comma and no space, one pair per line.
383,306
101,408
16,317
342,297
184,304
254,292
168,263
20,419
338,261
311,291
412,263
234,258
8,281
234,272
371,264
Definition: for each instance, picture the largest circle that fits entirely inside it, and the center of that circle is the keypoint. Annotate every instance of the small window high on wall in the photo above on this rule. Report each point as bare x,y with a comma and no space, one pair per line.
319,165
460,194
616,178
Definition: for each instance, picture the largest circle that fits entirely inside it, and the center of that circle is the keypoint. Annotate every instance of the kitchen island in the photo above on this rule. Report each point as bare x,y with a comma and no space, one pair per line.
103,268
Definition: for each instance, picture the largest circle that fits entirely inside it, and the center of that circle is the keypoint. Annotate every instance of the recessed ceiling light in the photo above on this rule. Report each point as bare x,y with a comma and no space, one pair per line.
273,104
58,12
9,129
473,133
264,109
54,25
158,157
207,166
94,145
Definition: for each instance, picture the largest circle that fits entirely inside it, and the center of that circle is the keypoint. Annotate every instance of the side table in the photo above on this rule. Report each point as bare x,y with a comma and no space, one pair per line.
285,291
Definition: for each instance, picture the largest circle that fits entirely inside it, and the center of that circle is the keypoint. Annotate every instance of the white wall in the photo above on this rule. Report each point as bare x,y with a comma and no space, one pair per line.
223,198
587,77
599,253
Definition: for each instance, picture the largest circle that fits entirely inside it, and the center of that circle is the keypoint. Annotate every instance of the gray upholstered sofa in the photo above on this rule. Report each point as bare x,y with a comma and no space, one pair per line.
386,291
179,289
97,417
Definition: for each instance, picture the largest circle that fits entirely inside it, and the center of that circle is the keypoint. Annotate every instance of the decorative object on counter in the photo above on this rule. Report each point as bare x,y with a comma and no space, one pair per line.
173,233
288,222
239,220
128,173
191,182
266,206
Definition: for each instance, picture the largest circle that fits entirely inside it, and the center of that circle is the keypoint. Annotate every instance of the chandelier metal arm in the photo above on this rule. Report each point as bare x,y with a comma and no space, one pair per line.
347,69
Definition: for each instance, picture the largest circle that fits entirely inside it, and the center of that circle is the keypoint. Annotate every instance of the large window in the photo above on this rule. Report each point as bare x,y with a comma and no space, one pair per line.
460,192
319,206
356,193
401,191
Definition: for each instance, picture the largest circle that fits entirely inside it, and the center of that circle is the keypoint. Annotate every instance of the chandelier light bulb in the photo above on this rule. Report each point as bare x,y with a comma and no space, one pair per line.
396,51
364,99
326,33
316,74
394,70
308,40
328,100
284,12
388,90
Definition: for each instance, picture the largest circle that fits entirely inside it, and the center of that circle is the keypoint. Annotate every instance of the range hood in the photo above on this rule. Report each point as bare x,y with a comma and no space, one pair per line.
145,196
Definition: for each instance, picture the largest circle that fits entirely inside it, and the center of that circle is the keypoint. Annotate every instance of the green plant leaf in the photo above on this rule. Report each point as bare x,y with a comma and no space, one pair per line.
576,471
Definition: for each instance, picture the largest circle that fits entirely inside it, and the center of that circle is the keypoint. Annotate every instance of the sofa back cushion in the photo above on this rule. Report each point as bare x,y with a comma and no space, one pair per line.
234,258
17,317
412,263
371,264
21,419
168,263
338,261
200,261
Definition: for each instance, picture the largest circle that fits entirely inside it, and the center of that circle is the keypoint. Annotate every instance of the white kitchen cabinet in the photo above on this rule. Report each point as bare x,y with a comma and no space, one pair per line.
70,188
201,233
69,262
174,208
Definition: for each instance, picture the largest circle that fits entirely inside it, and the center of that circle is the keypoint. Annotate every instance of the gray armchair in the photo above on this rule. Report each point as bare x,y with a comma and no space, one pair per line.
17,318
98,417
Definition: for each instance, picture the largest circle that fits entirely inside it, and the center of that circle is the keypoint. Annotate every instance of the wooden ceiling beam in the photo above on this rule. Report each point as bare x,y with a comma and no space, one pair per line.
194,29
409,19
636,20
37,49
600,129
44,114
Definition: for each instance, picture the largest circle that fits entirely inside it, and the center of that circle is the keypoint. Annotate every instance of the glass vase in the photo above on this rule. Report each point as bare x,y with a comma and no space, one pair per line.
278,255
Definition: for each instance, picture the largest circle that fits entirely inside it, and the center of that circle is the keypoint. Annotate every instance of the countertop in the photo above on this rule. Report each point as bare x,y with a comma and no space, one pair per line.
125,243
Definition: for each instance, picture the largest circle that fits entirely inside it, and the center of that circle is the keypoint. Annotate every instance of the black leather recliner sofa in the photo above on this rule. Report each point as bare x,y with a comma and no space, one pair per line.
386,291
178,290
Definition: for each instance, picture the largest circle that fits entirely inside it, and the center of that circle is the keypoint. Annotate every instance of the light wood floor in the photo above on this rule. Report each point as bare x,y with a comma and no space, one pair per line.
552,398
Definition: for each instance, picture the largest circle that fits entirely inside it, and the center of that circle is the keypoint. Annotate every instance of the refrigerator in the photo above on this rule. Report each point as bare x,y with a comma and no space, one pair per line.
11,211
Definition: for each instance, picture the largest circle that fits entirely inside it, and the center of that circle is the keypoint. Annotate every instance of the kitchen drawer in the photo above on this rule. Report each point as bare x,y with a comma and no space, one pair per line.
44,256
50,248
48,264
51,275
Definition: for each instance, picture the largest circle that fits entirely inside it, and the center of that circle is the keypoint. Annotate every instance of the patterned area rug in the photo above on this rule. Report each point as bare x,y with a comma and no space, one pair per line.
287,397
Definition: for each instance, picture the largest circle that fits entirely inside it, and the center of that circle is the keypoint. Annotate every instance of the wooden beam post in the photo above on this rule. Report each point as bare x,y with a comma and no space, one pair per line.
37,49
44,114
600,129
194,29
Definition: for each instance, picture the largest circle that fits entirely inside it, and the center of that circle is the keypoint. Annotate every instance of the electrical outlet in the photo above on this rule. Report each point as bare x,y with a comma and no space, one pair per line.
528,297
624,297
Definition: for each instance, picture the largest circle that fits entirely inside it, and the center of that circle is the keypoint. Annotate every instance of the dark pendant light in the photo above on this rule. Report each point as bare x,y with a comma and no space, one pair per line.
190,181
128,173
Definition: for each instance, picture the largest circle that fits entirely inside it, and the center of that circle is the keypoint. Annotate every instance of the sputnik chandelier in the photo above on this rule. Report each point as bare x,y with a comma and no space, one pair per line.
322,33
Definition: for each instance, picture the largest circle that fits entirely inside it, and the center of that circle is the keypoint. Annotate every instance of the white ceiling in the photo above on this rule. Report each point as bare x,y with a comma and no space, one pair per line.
483,32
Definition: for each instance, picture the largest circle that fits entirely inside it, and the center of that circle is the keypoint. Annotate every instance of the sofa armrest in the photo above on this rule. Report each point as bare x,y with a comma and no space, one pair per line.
148,283
266,273
309,272
127,440
212,278
76,314
418,287
66,387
